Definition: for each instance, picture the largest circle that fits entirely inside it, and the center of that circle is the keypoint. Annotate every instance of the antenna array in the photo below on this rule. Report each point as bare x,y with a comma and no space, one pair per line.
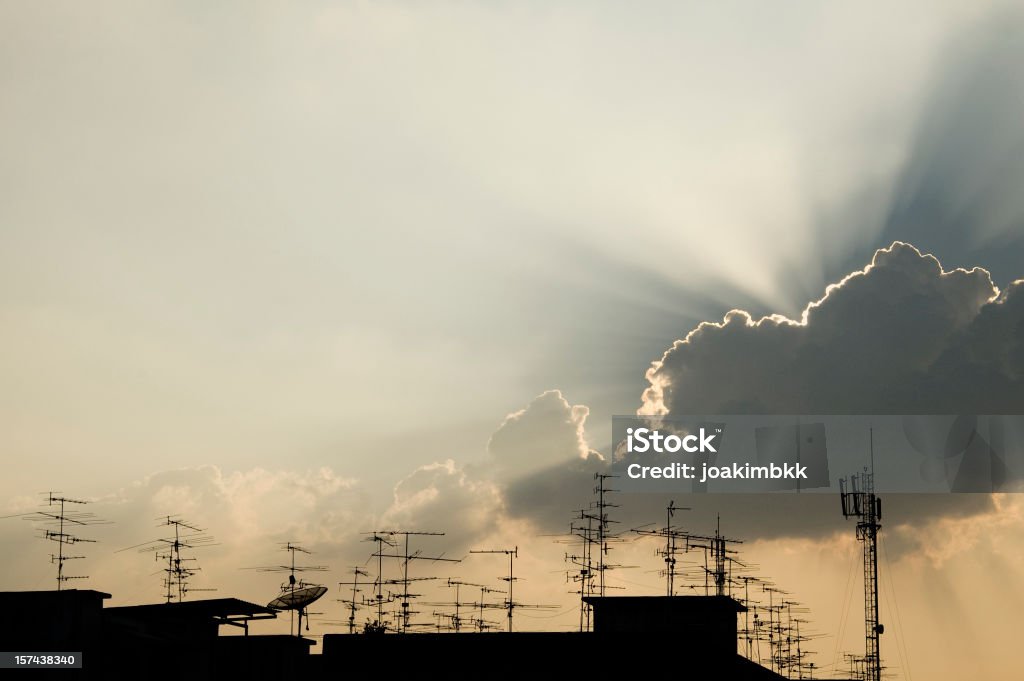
406,558
293,585
352,605
179,569
60,526
858,500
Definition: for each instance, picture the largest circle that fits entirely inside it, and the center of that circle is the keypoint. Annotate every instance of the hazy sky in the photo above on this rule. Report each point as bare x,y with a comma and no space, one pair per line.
263,261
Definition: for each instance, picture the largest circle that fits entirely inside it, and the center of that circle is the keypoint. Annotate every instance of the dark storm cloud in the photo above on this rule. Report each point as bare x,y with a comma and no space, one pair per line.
899,337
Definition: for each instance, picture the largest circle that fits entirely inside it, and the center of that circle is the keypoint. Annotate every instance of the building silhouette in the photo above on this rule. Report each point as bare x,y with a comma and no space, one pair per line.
685,637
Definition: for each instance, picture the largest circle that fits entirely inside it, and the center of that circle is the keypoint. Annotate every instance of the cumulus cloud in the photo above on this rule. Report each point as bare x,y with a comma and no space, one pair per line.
543,461
546,431
539,458
901,336
248,513
444,497
240,505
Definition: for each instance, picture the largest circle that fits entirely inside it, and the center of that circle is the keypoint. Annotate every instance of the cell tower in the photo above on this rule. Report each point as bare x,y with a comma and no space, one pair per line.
859,501
59,526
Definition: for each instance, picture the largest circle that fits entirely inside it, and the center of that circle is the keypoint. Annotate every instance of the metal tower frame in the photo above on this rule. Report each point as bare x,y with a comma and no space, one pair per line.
859,501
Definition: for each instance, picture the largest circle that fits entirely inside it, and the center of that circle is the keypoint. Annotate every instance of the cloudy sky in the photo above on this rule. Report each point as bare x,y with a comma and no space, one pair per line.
297,271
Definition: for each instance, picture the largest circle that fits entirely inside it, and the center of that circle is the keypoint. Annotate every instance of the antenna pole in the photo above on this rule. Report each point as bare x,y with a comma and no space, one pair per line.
63,521
510,604
405,587
60,549
380,581
603,535
177,573
287,599
353,604
406,557
670,550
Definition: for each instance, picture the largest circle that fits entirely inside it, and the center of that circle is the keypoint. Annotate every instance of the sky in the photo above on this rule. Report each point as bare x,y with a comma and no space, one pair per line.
304,270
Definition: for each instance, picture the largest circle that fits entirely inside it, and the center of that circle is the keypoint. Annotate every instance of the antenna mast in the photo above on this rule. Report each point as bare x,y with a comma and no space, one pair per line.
859,501
406,558
671,548
717,546
584,562
288,599
603,533
62,521
512,554
381,540
353,604
177,574
457,618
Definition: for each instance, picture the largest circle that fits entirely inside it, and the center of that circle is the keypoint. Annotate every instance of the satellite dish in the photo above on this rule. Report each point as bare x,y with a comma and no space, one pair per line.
297,599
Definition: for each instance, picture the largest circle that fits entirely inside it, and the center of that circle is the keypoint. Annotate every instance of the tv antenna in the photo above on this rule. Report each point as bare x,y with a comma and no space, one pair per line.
774,625
604,533
717,547
352,604
177,573
749,634
295,594
512,554
381,540
671,548
59,527
457,585
583,572
482,624
859,501
406,558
